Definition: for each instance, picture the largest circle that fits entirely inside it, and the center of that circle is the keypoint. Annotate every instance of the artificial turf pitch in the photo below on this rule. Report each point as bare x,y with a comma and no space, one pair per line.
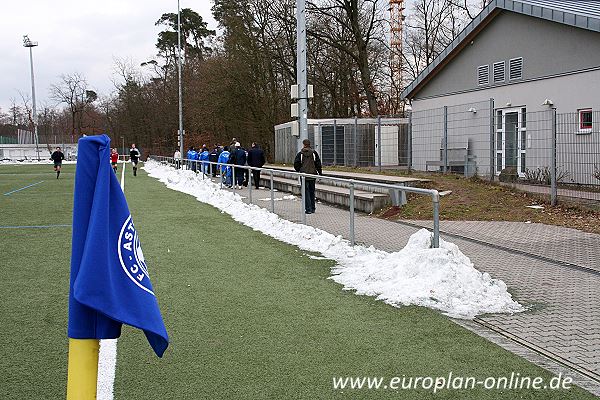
248,317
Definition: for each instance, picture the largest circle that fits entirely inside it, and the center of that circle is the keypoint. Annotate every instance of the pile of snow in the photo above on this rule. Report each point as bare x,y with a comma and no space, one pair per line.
42,161
290,197
442,279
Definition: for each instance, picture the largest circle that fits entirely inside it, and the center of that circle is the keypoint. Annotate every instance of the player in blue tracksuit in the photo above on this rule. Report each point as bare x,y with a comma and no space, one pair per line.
224,169
204,157
192,156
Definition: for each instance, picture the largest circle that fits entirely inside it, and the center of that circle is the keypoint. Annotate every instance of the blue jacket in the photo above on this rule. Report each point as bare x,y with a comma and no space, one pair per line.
223,158
204,156
192,155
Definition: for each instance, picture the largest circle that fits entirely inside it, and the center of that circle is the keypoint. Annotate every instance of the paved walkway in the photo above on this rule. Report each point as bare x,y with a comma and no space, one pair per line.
563,320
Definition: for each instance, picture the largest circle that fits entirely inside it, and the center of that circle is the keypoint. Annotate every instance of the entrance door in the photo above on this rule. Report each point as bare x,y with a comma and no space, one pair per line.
511,144
510,140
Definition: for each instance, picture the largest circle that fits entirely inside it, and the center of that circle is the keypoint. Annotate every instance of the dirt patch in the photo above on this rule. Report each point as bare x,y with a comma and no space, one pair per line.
474,199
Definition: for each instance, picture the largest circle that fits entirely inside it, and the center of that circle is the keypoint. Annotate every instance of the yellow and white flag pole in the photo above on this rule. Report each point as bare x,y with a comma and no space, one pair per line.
83,369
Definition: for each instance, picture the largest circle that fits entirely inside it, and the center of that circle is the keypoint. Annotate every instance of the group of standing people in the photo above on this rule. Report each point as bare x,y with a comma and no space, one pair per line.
230,159
233,157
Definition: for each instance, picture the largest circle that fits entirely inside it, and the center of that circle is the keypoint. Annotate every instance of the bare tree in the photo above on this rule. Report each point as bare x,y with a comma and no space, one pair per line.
356,28
73,92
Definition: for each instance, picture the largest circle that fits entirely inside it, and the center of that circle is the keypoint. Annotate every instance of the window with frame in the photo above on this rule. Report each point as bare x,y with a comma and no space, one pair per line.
585,120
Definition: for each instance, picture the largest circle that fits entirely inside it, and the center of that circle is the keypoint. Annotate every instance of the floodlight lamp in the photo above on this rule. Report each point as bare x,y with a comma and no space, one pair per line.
27,42
473,110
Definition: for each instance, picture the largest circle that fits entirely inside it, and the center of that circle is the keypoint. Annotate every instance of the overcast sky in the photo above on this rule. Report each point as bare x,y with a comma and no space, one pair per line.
78,36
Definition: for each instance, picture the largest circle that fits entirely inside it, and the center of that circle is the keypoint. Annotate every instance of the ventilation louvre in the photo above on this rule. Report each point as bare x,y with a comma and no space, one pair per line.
516,68
499,68
483,75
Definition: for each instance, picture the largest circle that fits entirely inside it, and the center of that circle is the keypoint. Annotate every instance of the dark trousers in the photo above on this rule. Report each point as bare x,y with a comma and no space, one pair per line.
256,177
309,195
239,176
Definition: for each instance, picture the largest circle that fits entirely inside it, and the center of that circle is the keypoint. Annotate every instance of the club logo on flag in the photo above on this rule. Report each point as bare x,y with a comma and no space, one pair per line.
132,258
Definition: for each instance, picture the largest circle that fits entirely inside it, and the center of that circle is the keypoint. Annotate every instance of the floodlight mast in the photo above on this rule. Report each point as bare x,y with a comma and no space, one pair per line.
28,43
179,77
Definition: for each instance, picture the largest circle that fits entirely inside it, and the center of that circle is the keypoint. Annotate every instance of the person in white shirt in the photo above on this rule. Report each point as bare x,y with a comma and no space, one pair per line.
177,157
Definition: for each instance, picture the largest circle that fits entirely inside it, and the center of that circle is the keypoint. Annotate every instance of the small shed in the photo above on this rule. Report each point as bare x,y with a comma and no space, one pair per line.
351,142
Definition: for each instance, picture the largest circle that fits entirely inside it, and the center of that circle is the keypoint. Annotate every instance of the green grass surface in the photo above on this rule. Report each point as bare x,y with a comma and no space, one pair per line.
249,317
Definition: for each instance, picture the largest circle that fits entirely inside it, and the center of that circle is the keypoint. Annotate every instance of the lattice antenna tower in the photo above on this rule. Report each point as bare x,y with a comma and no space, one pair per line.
396,22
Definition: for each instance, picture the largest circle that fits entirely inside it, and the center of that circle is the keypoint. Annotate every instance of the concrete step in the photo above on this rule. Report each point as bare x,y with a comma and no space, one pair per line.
363,201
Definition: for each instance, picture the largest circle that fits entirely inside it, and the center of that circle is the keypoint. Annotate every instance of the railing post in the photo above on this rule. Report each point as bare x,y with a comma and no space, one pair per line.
233,177
220,174
553,183
436,219
303,190
272,194
492,141
445,138
250,184
352,241
379,142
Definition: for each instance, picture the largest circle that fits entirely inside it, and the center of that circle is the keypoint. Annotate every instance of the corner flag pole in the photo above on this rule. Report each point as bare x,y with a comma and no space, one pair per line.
83,369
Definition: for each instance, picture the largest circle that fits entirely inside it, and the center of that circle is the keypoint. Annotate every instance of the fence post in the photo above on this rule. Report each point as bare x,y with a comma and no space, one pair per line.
355,141
553,183
436,219
334,142
303,205
409,141
445,140
272,195
233,177
220,174
492,142
351,213
379,142
250,185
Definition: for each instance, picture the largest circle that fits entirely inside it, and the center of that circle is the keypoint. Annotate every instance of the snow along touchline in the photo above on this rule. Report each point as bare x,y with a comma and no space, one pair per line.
107,359
443,279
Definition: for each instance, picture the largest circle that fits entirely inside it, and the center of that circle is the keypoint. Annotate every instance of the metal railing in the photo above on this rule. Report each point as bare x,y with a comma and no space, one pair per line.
206,169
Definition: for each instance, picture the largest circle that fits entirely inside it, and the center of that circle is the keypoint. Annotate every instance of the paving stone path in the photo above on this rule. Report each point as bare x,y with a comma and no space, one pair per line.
563,320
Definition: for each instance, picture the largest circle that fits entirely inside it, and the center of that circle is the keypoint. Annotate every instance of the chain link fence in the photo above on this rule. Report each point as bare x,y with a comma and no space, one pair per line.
351,142
551,153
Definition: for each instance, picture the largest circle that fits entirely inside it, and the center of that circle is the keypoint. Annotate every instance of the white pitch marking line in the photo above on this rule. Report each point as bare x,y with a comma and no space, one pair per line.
107,359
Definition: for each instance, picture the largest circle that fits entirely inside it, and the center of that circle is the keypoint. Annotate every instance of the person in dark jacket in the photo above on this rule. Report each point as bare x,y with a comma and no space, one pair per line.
256,158
58,158
134,157
238,157
307,161
213,157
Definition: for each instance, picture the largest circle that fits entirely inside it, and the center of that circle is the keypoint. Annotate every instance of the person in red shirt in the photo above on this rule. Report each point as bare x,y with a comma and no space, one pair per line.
114,158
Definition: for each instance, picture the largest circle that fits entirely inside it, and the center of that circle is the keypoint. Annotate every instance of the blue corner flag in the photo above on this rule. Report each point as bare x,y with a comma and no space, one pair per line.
109,285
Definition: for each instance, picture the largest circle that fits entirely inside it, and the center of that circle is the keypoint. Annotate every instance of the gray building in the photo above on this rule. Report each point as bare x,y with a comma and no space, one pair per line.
493,88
